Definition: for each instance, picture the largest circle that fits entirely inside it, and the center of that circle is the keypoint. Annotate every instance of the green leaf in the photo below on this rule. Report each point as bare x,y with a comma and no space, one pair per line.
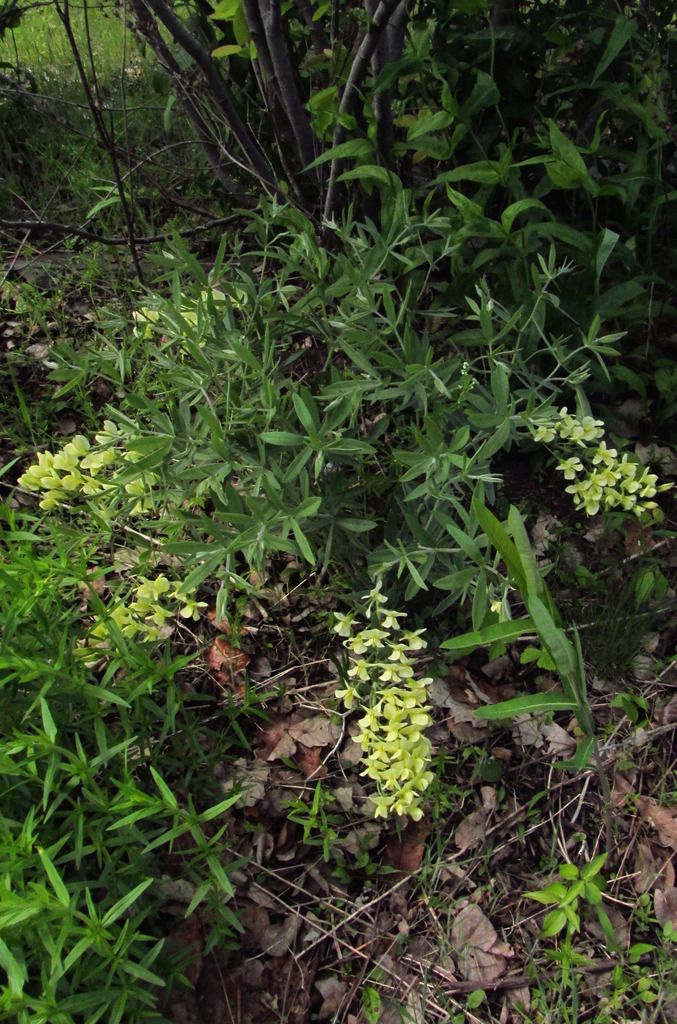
515,209
225,10
554,640
223,805
605,247
486,172
470,211
229,50
553,923
528,704
357,148
370,173
532,577
623,30
54,877
371,1004
569,169
549,896
428,124
497,441
569,872
166,793
501,541
497,632
17,975
302,541
485,93
283,438
122,905
593,894
475,999
591,870
48,723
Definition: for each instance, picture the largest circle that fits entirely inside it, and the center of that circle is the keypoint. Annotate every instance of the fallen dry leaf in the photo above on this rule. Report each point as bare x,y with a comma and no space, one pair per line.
221,624
527,730
225,659
471,832
624,785
478,953
651,868
665,906
405,852
279,937
256,924
560,742
333,992
662,819
668,714
276,742
250,777
308,761
312,732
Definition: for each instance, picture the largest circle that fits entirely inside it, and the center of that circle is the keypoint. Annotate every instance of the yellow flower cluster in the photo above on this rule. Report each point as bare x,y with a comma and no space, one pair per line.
72,470
77,470
599,478
147,320
395,712
146,616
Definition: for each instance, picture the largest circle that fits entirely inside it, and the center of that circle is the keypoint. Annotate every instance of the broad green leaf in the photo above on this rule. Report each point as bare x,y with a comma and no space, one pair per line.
371,173
229,50
357,148
531,703
471,211
283,438
225,10
428,124
497,441
591,870
527,558
498,536
485,93
497,632
553,923
554,639
592,894
548,896
486,172
515,209
569,168
605,247
302,541
623,30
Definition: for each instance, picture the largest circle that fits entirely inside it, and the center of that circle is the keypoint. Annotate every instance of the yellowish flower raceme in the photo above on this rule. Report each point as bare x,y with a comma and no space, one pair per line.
599,480
81,470
395,713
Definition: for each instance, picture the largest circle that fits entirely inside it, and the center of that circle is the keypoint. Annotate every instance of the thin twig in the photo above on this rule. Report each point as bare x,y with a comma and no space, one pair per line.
52,227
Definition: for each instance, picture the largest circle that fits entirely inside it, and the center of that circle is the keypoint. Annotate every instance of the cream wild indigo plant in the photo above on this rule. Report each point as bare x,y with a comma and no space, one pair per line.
395,713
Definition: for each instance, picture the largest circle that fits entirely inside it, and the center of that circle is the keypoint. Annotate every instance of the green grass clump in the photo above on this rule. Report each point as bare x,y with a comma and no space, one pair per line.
91,757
